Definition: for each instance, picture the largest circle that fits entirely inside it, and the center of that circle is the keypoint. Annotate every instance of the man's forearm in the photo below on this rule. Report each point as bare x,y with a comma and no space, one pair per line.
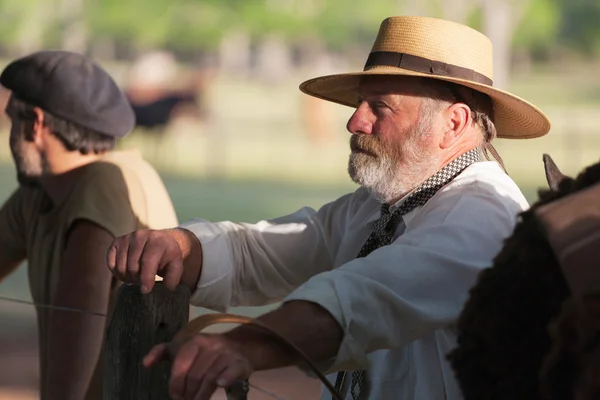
73,350
307,325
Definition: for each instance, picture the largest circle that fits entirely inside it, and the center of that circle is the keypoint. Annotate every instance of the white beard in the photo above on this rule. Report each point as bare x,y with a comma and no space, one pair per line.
378,176
391,173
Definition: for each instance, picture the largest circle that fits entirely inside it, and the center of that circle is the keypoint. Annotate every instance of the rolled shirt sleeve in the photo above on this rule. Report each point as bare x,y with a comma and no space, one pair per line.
257,264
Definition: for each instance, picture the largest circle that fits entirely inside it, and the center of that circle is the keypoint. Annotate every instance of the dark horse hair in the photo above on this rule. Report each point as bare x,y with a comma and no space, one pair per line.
572,366
503,333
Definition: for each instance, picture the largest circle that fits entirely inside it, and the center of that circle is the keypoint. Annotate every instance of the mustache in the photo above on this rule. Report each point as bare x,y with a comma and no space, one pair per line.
365,144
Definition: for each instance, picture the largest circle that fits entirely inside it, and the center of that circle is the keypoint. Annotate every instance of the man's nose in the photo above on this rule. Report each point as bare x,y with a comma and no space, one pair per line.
361,121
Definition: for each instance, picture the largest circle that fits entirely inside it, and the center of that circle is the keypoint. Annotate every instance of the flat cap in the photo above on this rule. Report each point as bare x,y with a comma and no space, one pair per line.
73,87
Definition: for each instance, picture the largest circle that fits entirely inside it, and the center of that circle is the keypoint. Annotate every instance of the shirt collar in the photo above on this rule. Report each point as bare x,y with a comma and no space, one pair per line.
374,216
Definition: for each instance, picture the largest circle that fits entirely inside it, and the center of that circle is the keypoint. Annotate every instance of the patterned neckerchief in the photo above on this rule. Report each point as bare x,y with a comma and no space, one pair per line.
383,231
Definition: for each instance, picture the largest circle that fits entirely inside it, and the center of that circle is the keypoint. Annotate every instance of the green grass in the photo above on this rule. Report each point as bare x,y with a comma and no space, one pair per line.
246,201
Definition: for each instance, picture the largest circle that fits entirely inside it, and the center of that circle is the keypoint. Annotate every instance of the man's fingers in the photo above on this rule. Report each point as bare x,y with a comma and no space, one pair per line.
211,379
121,256
111,257
206,391
181,365
201,365
150,263
233,372
200,369
172,273
156,354
224,371
139,256
136,247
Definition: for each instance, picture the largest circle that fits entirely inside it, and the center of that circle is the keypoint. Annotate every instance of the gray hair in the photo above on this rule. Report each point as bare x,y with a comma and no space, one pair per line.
482,108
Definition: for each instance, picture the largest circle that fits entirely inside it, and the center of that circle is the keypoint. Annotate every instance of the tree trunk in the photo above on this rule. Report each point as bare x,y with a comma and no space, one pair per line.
274,61
500,19
497,26
32,28
235,54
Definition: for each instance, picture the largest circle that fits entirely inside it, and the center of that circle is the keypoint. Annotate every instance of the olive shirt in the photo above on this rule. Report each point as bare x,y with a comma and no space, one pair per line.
121,193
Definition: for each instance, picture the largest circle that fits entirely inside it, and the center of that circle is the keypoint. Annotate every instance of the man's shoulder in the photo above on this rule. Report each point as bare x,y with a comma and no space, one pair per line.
356,205
103,168
29,197
123,168
125,161
28,192
483,190
26,195
487,179
124,179
357,199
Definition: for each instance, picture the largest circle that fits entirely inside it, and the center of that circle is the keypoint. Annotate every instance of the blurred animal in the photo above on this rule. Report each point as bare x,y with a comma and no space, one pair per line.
158,95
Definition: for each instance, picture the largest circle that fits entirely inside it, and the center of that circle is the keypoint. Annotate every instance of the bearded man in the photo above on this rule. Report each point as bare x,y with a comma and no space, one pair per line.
373,281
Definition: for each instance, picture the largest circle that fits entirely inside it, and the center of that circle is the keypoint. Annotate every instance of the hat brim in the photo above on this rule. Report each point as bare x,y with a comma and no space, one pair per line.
514,117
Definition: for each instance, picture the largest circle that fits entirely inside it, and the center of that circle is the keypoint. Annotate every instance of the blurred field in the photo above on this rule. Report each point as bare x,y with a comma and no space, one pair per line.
258,130
253,160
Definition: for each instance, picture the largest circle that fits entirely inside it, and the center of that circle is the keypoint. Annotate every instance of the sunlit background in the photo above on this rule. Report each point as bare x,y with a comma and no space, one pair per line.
215,84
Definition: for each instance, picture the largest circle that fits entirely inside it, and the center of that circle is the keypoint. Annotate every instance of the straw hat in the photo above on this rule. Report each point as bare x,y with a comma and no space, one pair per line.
439,49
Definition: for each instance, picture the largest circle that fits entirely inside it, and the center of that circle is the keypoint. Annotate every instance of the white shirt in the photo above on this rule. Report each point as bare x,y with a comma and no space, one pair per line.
397,305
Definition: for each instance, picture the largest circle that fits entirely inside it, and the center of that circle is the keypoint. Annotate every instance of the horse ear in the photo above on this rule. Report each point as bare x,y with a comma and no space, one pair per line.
553,175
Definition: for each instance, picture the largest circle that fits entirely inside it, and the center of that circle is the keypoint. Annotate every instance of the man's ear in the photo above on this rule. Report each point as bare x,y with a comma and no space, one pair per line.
39,128
456,119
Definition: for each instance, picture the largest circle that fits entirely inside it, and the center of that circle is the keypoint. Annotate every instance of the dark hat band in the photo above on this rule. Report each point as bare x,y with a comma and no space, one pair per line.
424,65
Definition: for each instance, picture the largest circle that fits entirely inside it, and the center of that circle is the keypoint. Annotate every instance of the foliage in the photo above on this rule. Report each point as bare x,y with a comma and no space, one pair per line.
539,27
195,25
580,29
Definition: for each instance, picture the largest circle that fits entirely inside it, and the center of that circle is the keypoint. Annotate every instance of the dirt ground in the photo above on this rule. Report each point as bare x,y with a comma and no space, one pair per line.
286,383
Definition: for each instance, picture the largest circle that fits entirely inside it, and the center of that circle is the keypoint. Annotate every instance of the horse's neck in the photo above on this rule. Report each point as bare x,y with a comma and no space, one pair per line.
571,225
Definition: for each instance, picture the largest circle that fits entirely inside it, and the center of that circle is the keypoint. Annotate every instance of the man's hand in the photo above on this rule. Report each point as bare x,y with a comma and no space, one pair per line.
204,362
174,254
201,365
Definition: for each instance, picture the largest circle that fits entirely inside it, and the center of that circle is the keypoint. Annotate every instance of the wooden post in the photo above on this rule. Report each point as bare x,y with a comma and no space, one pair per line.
138,323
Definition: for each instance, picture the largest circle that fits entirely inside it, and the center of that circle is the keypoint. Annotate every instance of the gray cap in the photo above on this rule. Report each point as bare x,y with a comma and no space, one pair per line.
72,87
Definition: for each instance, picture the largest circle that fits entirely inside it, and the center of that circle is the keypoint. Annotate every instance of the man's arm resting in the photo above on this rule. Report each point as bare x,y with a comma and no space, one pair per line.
307,325
76,338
